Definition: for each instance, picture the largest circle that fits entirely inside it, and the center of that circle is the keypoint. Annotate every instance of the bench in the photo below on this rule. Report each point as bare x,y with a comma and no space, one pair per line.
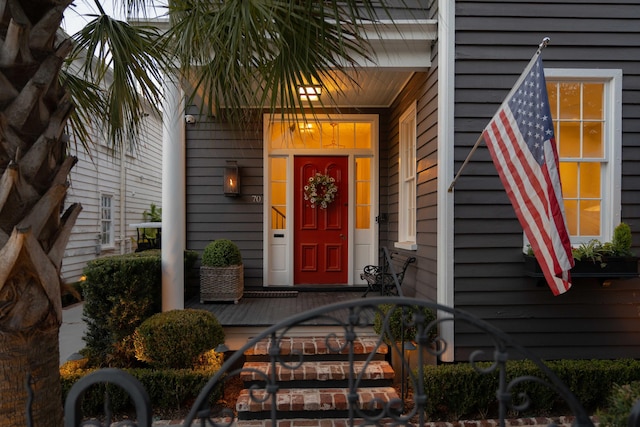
380,278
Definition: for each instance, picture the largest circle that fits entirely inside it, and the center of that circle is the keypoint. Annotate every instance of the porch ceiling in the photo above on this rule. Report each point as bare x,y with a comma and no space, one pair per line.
375,87
400,49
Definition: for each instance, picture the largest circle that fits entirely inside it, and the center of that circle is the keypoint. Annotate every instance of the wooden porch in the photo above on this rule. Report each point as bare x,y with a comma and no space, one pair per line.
260,308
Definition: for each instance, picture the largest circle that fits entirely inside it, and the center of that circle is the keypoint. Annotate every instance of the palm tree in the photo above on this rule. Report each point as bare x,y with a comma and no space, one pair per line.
236,55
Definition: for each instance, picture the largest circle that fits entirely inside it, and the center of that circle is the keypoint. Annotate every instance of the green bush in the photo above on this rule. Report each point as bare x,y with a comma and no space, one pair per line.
456,391
175,339
621,401
168,389
396,316
221,253
120,292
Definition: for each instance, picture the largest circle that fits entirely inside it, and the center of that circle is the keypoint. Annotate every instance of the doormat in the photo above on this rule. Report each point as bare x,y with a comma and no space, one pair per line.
270,294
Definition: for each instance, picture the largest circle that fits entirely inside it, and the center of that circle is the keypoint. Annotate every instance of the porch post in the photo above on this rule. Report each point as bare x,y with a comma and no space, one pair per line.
173,195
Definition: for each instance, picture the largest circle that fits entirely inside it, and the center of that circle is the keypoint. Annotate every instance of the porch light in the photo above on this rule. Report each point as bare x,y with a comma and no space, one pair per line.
231,179
310,93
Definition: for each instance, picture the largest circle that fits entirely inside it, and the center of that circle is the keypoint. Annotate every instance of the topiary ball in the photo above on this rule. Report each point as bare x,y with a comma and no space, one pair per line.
175,339
221,253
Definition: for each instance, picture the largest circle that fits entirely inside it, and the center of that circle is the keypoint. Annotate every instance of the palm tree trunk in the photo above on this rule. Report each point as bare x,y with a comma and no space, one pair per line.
28,354
34,169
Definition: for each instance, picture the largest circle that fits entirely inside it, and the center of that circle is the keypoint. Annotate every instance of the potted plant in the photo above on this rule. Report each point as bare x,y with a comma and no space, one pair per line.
221,272
398,328
594,259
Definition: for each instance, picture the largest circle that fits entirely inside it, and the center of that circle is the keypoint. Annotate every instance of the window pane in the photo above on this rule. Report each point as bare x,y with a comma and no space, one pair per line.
592,139
571,213
569,101
552,92
590,218
278,193
346,135
590,180
568,139
569,179
593,101
363,135
363,169
363,217
363,193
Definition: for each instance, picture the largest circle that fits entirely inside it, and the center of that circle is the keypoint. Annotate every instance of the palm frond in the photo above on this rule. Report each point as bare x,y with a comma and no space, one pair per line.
128,61
255,54
90,103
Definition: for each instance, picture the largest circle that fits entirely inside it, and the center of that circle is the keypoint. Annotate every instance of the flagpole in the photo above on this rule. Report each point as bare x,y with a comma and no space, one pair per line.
545,41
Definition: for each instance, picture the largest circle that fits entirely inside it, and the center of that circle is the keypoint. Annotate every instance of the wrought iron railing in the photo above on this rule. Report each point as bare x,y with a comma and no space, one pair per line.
350,319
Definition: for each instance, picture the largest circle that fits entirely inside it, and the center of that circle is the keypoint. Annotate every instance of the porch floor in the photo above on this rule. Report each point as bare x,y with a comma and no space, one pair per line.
266,311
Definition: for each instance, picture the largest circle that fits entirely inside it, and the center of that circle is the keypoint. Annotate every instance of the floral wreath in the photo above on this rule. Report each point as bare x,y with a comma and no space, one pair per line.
320,190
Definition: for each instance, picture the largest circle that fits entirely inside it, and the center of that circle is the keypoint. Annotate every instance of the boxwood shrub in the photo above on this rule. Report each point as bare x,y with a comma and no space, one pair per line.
168,389
176,338
457,391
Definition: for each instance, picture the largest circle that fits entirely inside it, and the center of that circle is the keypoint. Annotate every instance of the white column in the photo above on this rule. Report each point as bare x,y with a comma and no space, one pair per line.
446,76
173,195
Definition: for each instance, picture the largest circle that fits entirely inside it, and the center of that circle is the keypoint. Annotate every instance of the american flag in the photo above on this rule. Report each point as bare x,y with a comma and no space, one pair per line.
522,144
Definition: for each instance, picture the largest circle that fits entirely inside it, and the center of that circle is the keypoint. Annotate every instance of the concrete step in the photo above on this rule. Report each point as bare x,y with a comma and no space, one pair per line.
311,403
323,348
319,373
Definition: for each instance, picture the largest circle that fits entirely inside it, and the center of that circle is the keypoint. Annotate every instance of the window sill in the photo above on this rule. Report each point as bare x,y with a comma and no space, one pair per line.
409,246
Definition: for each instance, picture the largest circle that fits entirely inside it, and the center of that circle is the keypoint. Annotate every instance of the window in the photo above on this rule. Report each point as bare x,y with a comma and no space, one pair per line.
407,180
586,109
106,220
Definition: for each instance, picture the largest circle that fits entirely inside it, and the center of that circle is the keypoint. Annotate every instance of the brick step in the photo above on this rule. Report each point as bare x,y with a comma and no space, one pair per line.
320,373
311,403
316,348
305,422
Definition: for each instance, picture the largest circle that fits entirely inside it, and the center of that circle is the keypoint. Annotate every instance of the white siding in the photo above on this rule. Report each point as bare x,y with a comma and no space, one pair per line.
133,189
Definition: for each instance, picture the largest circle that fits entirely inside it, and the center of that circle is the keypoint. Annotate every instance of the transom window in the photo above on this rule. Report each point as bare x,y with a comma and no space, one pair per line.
586,110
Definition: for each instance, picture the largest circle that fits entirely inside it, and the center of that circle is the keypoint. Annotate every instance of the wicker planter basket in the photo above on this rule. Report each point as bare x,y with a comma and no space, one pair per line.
221,283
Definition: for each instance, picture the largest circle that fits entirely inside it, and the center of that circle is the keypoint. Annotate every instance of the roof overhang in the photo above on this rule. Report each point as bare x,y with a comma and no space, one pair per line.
399,49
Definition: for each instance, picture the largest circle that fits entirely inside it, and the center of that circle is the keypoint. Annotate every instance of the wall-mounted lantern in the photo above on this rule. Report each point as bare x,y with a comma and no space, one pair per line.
231,179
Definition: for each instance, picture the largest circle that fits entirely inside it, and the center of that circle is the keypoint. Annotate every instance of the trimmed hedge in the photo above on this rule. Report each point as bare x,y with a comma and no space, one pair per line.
120,292
168,389
457,391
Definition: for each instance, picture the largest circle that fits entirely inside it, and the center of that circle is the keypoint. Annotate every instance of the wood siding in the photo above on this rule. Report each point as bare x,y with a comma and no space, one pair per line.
420,278
98,172
494,41
210,214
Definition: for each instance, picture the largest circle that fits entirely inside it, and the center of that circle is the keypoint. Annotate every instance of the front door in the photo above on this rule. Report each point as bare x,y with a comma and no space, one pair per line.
320,236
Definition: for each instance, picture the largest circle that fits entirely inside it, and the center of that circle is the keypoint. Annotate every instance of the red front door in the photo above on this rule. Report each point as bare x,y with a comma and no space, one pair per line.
320,236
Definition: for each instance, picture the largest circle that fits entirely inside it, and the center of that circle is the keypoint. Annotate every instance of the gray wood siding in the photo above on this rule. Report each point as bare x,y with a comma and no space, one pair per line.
420,279
210,214
494,41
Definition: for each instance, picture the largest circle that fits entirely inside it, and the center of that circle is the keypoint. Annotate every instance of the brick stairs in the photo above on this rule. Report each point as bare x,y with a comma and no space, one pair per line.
314,393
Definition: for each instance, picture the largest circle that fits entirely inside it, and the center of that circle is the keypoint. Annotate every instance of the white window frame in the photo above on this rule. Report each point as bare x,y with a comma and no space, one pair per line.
407,208
611,173
106,237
